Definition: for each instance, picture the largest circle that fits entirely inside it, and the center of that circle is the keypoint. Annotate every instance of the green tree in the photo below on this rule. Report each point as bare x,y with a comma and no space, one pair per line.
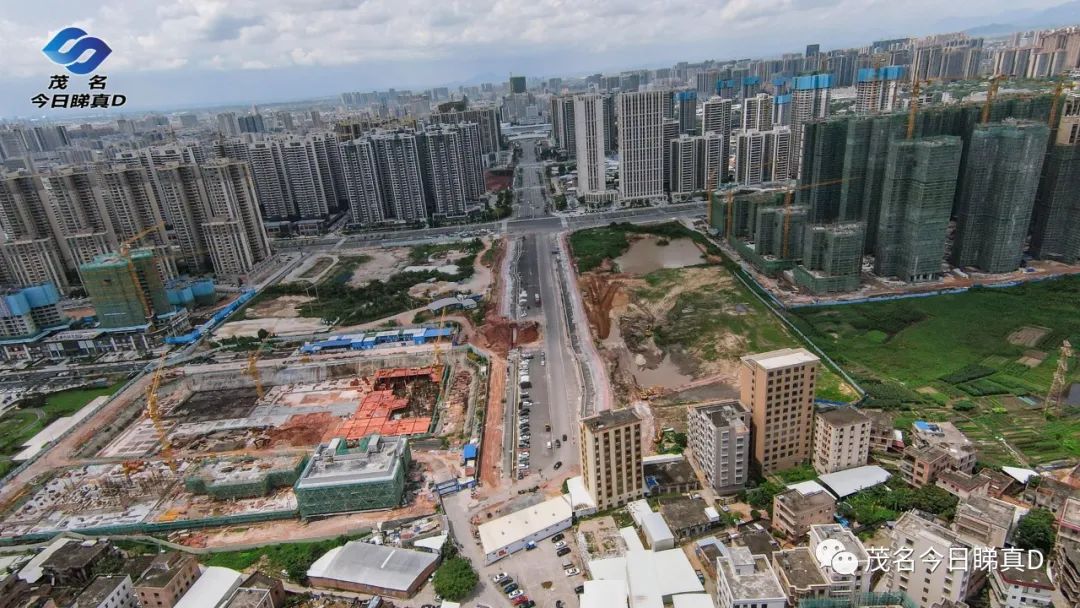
1036,531
455,579
263,334
933,499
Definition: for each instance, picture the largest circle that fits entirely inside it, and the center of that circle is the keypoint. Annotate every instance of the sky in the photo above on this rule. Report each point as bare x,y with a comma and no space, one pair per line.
184,53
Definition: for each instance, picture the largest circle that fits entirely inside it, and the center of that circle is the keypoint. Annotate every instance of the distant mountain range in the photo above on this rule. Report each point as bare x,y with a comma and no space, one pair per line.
1007,22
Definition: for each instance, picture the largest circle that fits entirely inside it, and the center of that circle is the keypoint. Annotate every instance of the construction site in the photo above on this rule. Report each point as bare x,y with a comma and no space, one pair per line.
226,443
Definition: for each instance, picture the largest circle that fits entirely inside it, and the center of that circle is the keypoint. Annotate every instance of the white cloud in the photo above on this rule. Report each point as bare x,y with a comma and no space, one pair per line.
246,34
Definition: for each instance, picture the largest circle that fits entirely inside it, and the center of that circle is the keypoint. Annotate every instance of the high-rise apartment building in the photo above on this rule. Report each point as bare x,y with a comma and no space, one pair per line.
362,183
670,133
809,100
590,125
641,146
841,440
517,84
562,123
82,221
611,457
686,170
877,89
232,227
778,389
29,254
400,180
757,113
486,118
832,258
917,198
443,164
762,156
228,125
947,57
687,103
719,438
998,183
1057,208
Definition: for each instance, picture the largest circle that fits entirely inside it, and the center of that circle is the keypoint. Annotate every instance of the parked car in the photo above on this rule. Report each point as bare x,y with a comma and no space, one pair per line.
560,544
700,576
572,572
510,587
558,537
547,427
529,546
515,593
499,578
558,443
579,589
563,551
564,437
558,464
519,600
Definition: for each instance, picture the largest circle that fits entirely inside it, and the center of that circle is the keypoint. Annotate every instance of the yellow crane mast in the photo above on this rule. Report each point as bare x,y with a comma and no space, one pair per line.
253,371
154,413
1061,376
991,94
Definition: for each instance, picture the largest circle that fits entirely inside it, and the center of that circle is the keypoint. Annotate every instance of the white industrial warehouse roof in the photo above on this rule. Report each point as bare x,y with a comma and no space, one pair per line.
375,565
604,594
847,482
656,528
57,429
692,600
215,584
1021,475
633,541
650,576
509,529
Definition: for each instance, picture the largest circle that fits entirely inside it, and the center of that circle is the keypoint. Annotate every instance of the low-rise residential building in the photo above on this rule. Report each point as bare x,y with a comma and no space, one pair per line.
108,592
74,565
883,435
667,474
689,517
719,440
747,581
213,587
841,439
258,591
1051,493
936,447
1020,587
1068,520
167,579
842,586
985,521
924,581
799,574
1066,566
962,485
801,506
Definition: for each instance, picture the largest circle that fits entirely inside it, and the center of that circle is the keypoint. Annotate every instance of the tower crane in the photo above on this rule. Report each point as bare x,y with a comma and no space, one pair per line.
1057,386
436,346
154,413
991,94
253,371
1059,89
913,105
125,253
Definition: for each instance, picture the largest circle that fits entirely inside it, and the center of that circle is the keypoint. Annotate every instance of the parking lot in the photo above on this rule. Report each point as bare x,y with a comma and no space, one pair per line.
540,573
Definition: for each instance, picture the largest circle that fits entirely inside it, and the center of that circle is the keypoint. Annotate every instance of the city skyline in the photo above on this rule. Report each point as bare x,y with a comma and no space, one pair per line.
203,54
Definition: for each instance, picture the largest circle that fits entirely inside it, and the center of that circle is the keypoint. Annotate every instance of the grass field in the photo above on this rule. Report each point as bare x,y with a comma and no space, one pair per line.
292,558
926,356
18,426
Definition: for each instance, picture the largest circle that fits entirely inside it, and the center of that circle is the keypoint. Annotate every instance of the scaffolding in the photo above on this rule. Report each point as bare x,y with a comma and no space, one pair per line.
339,479
1057,208
997,194
246,478
919,186
832,258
